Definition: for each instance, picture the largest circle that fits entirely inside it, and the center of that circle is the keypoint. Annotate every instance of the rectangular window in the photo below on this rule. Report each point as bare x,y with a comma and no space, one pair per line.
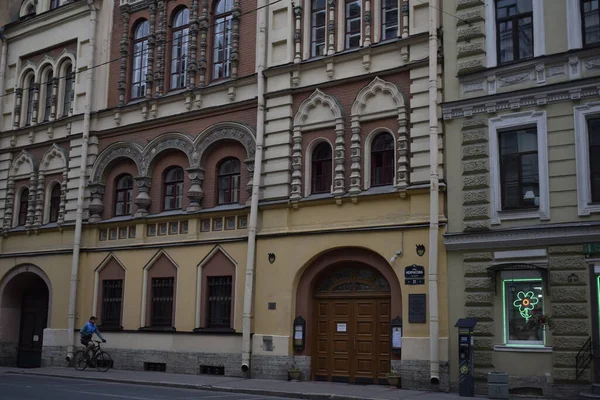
594,141
48,99
318,28
163,290
514,24
70,77
590,21
219,301
389,19
523,306
112,299
519,169
353,24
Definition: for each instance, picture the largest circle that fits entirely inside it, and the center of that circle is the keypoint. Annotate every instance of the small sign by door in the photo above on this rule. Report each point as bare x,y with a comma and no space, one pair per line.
341,327
36,338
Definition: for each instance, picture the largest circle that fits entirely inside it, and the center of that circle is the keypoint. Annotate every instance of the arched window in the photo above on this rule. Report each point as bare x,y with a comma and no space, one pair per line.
54,203
321,168
30,99
140,60
173,188
68,95
47,82
222,39
317,24
123,195
382,160
229,181
23,206
179,48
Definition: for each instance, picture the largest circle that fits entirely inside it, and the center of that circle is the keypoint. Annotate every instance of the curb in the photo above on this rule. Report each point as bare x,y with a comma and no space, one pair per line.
257,392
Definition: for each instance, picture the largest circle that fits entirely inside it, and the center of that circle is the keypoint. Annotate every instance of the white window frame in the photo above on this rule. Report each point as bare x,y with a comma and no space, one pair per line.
582,156
574,28
539,37
511,121
308,166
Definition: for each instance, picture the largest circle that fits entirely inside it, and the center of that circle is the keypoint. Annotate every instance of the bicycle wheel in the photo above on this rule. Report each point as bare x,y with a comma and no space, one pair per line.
79,361
103,361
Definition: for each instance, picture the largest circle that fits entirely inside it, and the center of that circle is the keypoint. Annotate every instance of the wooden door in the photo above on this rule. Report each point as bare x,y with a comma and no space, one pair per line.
34,314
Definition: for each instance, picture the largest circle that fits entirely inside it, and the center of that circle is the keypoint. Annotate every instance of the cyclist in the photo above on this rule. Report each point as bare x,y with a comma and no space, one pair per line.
87,332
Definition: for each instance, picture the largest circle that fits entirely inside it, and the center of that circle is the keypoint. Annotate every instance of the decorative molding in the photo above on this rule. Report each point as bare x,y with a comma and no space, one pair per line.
515,79
539,31
192,64
24,157
130,150
581,113
164,142
298,34
203,28
124,51
236,13
149,78
50,154
574,33
316,98
514,121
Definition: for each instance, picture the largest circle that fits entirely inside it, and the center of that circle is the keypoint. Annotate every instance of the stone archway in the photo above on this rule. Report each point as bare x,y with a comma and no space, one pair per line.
348,297
25,297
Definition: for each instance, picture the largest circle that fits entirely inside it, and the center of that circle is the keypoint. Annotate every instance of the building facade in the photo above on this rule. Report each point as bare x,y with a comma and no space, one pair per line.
521,118
247,165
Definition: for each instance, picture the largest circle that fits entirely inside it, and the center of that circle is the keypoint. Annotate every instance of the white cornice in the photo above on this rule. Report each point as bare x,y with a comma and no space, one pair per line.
42,22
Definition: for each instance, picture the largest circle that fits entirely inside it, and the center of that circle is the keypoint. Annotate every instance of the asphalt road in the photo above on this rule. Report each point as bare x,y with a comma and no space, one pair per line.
18,387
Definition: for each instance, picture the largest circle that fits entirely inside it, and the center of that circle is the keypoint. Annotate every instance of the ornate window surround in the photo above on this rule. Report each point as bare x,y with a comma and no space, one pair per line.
97,287
144,322
367,156
539,38
308,165
574,33
531,118
584,195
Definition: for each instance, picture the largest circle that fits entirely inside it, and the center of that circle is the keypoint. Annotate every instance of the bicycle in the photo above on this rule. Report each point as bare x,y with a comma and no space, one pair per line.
99,359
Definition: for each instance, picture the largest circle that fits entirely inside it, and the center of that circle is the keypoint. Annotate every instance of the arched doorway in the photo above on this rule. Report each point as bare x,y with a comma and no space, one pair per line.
24,308
349,297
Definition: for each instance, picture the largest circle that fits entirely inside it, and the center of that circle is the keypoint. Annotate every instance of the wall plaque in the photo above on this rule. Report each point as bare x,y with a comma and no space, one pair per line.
417,308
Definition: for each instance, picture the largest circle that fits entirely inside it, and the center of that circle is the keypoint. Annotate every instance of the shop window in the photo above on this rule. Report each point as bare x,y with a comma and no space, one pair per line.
523,302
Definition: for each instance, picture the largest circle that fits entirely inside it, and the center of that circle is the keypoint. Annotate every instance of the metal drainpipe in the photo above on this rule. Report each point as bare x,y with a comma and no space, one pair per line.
2,72
434,329
260,128
82,178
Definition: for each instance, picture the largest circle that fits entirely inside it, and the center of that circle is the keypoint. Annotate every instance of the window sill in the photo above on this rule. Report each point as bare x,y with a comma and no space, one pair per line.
588,209
219,331
523,348
517,215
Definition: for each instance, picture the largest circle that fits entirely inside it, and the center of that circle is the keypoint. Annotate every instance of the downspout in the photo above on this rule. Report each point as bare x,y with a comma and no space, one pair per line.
82,178
2,72
434,328
260,129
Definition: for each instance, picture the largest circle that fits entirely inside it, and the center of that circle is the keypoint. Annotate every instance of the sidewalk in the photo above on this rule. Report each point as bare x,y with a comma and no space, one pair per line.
300,390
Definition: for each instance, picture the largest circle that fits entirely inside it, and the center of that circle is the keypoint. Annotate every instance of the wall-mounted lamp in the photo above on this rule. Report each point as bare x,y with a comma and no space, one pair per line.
398,254
299,333
271,257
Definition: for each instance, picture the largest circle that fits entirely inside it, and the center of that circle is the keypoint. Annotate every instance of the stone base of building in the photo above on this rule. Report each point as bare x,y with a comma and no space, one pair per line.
8,354
276,367
415,375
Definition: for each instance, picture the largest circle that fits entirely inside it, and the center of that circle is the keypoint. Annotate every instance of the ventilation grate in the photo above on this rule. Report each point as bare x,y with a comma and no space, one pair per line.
212,370
158,367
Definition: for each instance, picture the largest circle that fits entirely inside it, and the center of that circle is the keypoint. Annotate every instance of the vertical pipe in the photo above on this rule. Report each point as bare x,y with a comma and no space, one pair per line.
434,329
260,127
82,178
2,73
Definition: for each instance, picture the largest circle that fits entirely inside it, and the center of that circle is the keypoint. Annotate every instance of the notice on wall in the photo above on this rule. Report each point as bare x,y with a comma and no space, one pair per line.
36,338
341,327
298,335
397,338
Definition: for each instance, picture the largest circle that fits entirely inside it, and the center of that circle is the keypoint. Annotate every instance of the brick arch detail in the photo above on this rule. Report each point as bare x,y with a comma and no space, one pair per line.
314,270
113,152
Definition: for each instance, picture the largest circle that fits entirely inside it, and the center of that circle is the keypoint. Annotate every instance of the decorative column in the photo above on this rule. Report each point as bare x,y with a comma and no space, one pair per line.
9,204
63,198
235,38
96,206
402,172
404,19
143,200
203,26
31,202
151,44
54,98
195,193
250,167
339,180
296,193
355,183
124,49
331,28
367,39
72,103
298,34
18,100
161,41
192,64
36,102
39,202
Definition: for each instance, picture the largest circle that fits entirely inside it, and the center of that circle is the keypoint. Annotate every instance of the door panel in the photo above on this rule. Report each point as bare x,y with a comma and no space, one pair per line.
340,338
321,363
34,314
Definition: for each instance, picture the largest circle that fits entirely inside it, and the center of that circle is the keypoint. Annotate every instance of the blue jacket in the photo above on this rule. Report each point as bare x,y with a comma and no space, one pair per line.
89,330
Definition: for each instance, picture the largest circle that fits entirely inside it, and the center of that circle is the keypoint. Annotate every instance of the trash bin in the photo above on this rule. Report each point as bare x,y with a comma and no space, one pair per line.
498,385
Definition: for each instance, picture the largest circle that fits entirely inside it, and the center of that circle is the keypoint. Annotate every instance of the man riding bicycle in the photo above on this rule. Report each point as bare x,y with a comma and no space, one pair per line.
87,332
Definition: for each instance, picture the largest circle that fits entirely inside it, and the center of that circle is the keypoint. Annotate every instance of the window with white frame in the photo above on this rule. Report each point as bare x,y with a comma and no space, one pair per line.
587,144
353,23
389,19
47,87
30,100
590,22
523,310
317,25
519,166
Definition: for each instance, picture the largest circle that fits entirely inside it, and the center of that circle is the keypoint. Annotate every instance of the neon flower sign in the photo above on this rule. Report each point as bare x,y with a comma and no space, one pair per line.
526,302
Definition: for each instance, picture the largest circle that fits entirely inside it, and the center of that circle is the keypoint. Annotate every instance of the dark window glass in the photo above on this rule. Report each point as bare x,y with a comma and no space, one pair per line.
389,19
30,100
229,181
69,79
590,15
163,290
318,28
23,206
321,168
140,60
173,187
382,160
594,140
54,203
54,4
353,23
222,39
514,23
123,195
219,301
179,48
519,170
112,298
48,97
